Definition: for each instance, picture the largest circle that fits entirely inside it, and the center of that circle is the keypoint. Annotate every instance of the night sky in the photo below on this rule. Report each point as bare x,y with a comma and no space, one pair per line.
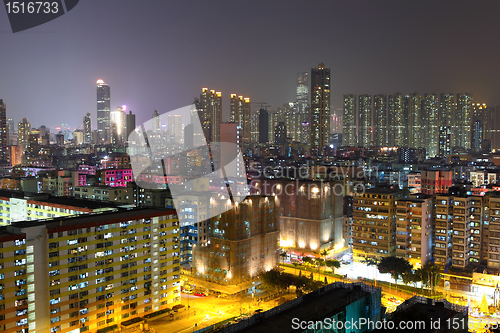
159,54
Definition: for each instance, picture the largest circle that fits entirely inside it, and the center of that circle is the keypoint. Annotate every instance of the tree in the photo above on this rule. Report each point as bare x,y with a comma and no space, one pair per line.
430,275
283,256
295,264
323,254
307,260
484,305
333,264
395,266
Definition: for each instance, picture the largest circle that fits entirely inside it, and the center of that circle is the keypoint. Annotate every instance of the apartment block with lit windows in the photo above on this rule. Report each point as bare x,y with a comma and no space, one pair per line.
461,231
443,226
92,271
374,223
493,249
414,229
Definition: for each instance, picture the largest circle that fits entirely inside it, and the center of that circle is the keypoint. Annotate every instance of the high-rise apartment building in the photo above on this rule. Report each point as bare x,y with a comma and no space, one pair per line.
210,105
103,111
415,111
254,128
87,128
263,126
23,133
431,124
320,108
479,128
462,127
302,99
365,121
446,116
349,131
4,133
374,223
414,229
380,121
91,271
290,117
397,125
240,113
280,134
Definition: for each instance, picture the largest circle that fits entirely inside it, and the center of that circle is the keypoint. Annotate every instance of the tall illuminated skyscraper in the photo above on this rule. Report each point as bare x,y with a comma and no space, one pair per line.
431,124
415,121
23,133
87,128
302,101
103,111
240,113
349,135
380,121
462,126
210,105
446,113
320,108
4,133
365,121
263,126
397,125
118,125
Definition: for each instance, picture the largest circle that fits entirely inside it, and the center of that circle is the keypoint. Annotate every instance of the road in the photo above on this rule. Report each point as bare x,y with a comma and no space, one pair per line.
205,311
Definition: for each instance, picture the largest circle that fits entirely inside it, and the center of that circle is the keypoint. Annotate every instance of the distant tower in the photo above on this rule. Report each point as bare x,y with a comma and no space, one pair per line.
23,133
365,121
87,128
349,135
280,134
103,112
320,108
446,113
463,116
263,126
130,123
4,133
380,120
118,125
397,125
415,137
302,102
210,105
431,124
156,121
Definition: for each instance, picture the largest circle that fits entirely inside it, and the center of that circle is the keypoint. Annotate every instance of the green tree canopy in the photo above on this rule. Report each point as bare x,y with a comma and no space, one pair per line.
395,266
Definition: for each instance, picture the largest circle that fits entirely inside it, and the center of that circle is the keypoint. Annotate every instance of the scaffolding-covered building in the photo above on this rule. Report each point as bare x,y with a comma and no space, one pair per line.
243,242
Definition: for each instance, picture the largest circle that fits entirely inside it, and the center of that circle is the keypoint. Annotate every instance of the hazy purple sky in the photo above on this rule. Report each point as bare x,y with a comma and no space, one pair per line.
159,54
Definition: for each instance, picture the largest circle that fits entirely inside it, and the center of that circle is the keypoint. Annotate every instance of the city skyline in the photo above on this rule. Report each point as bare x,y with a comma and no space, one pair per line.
146,81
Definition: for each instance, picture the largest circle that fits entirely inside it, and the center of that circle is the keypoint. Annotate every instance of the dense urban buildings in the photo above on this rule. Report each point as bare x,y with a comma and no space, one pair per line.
91,271
4,132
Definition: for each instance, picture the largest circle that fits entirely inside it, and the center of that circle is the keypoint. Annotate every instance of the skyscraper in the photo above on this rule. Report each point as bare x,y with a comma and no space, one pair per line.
431,124
396,121
320,108
263,126
240,114
210,105
156,121
446,112
415,121
349,135
23,133
4,133
118,129
103,112
365,121
280,133
177,128
463,116
302,102
87,128
130,123
380,138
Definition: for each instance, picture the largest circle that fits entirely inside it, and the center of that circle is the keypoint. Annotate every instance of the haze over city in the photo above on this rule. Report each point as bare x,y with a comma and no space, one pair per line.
158,54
